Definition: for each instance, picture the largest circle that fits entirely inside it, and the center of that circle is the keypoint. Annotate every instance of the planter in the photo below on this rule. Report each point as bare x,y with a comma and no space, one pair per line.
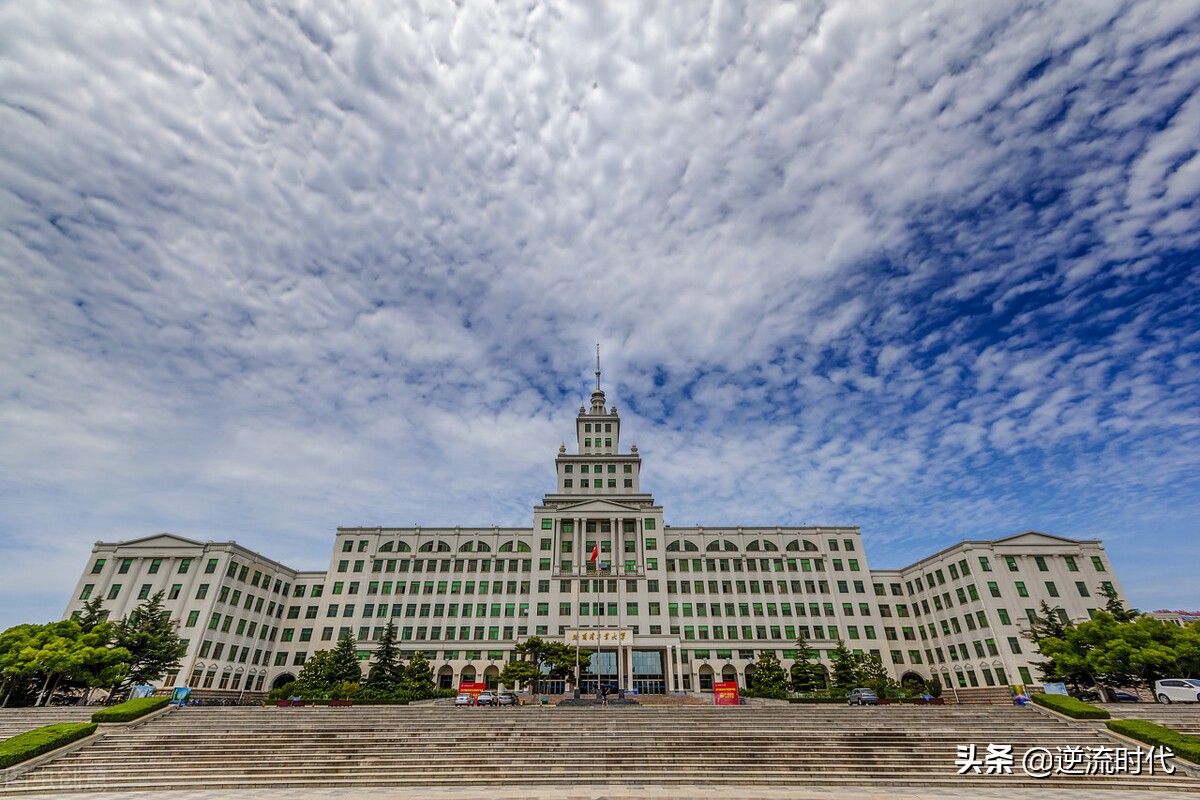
340,703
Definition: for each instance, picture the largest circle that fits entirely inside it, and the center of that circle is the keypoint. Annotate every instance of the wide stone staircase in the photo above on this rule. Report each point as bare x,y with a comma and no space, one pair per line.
442,746
1183,717
19,720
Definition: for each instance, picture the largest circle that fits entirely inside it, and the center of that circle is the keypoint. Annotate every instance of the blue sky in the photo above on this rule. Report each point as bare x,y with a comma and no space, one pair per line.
927,268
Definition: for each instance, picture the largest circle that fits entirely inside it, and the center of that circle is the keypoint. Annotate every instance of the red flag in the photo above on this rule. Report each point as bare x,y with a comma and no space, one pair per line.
595,552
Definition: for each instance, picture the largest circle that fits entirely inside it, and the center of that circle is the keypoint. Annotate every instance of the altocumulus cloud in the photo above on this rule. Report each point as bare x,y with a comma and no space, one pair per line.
270,268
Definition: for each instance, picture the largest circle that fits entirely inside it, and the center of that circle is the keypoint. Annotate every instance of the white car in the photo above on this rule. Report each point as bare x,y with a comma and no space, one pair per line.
1177,690
464,699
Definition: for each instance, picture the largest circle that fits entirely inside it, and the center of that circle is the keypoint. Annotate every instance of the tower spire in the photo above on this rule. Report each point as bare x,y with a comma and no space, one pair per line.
597,366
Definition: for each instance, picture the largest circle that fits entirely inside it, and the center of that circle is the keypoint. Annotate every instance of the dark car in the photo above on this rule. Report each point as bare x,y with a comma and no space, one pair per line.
862,697
1124,697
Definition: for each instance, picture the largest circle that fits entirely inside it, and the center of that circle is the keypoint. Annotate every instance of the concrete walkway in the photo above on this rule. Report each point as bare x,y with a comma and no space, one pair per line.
975,789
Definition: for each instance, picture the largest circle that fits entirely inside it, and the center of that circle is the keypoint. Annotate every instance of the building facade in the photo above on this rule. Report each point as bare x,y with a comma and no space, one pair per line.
666,608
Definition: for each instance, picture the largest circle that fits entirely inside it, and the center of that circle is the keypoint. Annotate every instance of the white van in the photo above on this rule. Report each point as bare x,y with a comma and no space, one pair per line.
1177,690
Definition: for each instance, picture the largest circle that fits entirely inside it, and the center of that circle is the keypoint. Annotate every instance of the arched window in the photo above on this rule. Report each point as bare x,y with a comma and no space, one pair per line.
673,547
713,546
730,546
386,547
426,548
507,547
403,547
442,547
690,547
752,546
810,546
467,547
483,547
793,546
770,546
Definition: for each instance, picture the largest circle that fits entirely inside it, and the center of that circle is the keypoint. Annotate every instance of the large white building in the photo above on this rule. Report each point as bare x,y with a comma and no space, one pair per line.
669,608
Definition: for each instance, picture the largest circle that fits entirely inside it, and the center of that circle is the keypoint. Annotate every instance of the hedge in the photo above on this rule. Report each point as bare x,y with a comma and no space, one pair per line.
33,743
1069,706
838,700
130,709
1181,744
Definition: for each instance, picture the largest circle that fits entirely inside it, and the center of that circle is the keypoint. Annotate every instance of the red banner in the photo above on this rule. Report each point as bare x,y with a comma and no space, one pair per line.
473,689
725,693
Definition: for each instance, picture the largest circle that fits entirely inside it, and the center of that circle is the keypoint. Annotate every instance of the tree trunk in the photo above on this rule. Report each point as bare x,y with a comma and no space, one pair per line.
42,693
53,689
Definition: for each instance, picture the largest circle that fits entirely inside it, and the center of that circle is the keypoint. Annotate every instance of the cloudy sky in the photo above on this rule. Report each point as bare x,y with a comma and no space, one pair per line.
929,268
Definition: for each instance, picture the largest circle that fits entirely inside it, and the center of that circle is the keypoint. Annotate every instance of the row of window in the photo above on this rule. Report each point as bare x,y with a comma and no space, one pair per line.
962,568
599,469
568,483
239,572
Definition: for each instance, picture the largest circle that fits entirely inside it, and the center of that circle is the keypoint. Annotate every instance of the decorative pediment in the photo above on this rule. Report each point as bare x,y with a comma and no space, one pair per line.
599,506
162,541
1035,538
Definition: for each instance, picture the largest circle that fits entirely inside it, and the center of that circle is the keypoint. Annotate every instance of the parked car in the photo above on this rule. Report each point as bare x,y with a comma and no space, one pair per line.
1177,690
507,699
486,698
464,699
862,697
1119,696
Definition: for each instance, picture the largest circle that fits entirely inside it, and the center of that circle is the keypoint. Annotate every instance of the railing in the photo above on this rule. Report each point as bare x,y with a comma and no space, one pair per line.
599,572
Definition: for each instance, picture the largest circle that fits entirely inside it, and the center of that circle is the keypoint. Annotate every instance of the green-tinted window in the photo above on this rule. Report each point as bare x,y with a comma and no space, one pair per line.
547,524
648,524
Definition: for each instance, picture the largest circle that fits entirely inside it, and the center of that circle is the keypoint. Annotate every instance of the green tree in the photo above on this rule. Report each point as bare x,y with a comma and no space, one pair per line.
1114,606
154,647
417,683
806,676
844,664
769,679
560,658
92,614
386,670
342,667
870,672
520,673
313,679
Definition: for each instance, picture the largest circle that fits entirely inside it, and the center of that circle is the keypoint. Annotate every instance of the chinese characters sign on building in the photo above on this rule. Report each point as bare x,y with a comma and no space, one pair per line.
599,637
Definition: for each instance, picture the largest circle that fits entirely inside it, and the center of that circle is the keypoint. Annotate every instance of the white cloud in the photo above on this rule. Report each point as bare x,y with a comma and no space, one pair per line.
922,267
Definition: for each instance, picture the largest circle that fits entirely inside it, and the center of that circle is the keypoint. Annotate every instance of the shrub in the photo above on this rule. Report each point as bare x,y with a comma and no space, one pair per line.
1181,744
131,709
33,743
816,700
1069,706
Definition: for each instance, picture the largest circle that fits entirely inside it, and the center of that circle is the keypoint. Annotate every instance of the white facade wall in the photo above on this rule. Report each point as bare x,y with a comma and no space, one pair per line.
700,602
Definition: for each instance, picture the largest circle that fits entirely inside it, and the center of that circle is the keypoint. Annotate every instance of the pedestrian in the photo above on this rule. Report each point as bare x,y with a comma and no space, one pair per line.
604,694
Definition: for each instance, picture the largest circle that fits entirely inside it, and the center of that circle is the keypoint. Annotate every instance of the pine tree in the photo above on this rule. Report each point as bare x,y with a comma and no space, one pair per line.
314,675
342,667
843,667
806,676
154,647
1114,606
417,683
386,670
92,614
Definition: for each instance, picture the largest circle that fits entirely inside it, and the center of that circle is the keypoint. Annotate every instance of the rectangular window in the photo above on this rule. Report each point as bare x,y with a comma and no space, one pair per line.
1097,564
113,591
87,591
98,566
1041,564
1082,588
211,566
126,563
1011,561
1051,588
184,565
648,524
155,564
1021,590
